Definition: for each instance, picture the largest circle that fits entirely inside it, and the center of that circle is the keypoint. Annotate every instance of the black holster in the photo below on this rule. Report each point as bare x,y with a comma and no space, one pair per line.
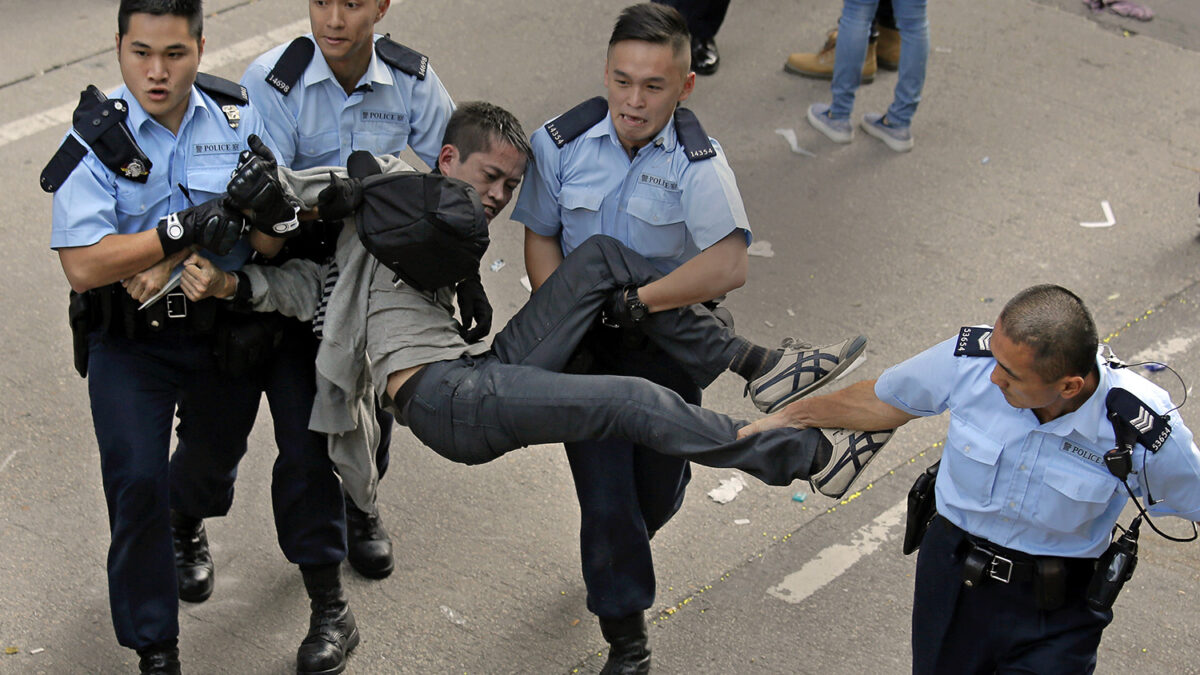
243,341
79,314
922,507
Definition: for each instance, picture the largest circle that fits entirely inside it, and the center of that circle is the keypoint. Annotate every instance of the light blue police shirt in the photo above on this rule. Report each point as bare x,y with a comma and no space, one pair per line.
187,169
1038,488
318,124
659,204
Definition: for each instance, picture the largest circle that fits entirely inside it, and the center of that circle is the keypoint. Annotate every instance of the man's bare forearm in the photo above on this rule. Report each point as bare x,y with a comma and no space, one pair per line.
855,407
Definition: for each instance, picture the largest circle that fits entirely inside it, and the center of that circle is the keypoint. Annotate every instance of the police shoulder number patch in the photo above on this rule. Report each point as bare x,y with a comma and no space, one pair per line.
974,341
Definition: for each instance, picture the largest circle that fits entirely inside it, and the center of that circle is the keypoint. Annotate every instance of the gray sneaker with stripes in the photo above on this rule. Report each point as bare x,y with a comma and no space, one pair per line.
802,370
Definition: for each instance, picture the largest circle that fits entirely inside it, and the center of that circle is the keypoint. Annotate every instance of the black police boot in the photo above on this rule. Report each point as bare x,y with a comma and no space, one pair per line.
627,653
193,564
705,57
332,632
161,658
370,548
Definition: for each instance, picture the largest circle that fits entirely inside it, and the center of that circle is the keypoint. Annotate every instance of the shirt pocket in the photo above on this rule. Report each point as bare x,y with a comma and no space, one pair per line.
1071,496
135,199
657,228
580,213
320,146
378,139
206,181
971,458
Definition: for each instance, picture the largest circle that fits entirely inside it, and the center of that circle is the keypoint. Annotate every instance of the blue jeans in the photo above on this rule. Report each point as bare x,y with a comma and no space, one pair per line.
854,29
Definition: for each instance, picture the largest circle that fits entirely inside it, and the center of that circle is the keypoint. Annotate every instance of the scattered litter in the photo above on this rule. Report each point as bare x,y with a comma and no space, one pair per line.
39,650
985,160
1109,221
790,136
942,50
526,284
742,521
1126,8
799,497
455,618
12,650
791,313
1114,296
575,623
1155,367
761,248
768,324
728,490
498,264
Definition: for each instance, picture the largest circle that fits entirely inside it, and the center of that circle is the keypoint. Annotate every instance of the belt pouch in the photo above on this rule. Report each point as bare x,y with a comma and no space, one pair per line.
975,566
1050,583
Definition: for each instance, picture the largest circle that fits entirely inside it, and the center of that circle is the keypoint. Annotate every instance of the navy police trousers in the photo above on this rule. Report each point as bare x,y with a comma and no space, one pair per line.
134,386
995,627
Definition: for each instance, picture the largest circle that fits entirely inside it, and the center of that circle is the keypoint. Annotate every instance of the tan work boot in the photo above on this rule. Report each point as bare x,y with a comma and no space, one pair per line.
820,65
887,49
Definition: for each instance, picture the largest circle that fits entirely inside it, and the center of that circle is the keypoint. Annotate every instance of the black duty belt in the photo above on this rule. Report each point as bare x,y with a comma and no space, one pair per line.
985,561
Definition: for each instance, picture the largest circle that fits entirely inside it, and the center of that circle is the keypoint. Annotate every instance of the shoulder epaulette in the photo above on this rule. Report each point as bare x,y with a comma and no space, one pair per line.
569,125
403,59
692,136
1152,429
291,64
973,341
227,93
100,122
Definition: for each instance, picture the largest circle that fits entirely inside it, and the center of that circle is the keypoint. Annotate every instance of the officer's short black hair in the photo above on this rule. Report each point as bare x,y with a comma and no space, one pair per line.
191,10
656,24
1058,327
476,125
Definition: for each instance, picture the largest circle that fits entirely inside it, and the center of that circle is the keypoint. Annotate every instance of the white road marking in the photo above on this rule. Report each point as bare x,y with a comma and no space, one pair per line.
835,560
8,459
1108,221
60,116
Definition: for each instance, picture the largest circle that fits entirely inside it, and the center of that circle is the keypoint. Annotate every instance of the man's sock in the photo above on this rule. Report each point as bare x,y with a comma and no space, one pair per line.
755,361
822,457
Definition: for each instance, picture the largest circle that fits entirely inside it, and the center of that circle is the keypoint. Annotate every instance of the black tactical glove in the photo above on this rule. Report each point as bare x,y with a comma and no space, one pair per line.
340,198
623,309
473,306
255,188
212,225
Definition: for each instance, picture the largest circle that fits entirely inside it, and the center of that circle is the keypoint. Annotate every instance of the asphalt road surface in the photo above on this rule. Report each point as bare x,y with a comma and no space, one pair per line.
1034,113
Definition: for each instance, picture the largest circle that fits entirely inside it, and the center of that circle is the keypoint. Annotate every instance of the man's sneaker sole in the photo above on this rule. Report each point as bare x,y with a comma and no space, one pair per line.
896,144
857,346
852,452
827,131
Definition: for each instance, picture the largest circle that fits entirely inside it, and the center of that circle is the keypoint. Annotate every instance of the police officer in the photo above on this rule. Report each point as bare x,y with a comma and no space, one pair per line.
704,19
641,170
1025,499
137,186
338,89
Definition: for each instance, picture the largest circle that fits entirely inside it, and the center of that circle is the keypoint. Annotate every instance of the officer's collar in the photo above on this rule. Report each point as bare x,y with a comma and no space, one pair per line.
1089,419
377,71
138,115
666,139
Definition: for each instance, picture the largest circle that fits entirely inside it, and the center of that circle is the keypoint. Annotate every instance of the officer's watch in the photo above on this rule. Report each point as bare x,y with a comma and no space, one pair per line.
636,309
